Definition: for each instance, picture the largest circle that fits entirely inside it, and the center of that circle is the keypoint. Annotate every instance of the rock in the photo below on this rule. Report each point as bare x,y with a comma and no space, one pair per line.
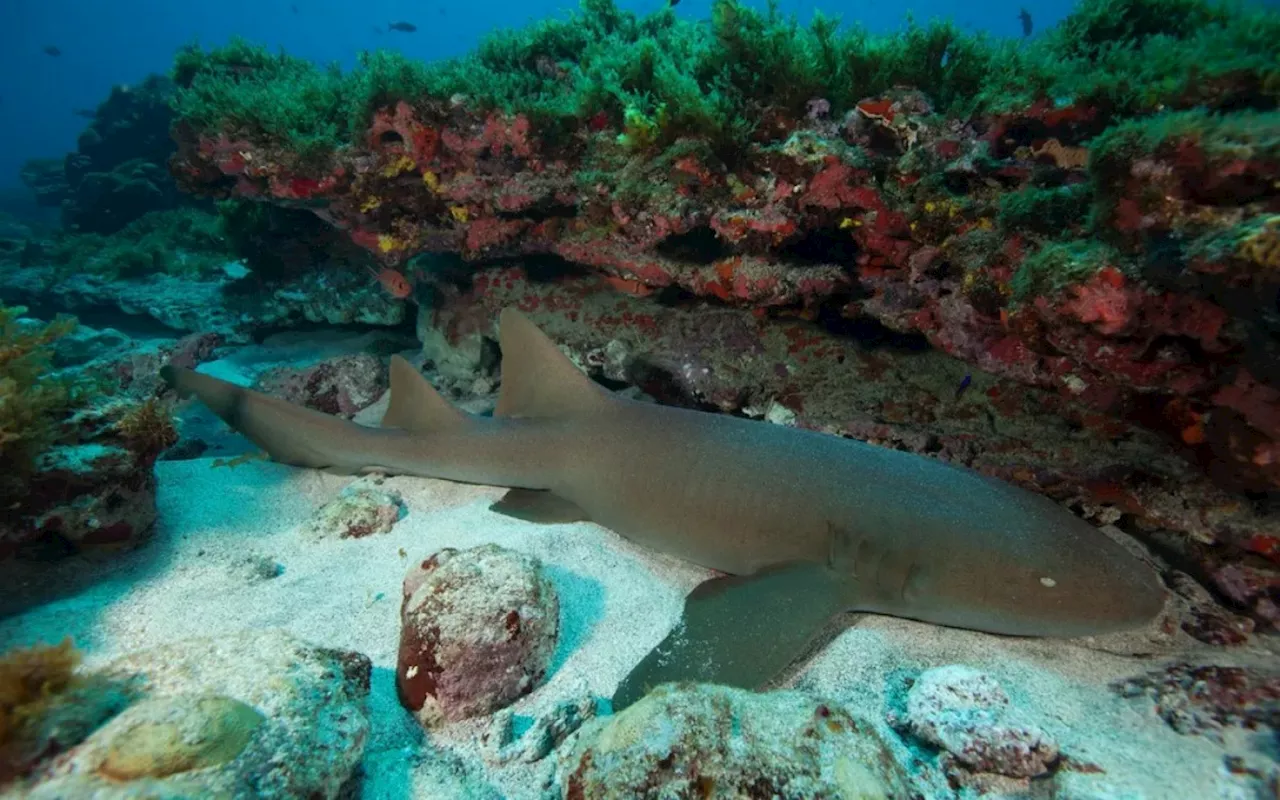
84,344
965,713
1207,698
359,510
714,741
543,736
87,497
340,386
169,735
330,294
469,364
255,568
255,714
478,629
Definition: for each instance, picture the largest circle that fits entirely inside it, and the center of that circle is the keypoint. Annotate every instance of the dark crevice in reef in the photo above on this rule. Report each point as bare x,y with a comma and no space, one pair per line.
819,246
700,245
406,328
542,213
550,268
869,332
390,138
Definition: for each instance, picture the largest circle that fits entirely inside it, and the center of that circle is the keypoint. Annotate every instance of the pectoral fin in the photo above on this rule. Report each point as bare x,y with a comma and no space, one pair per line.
532,505
743,630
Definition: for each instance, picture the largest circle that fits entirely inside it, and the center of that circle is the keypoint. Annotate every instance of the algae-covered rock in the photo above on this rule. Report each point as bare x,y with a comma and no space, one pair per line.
254,714
165,736
714,741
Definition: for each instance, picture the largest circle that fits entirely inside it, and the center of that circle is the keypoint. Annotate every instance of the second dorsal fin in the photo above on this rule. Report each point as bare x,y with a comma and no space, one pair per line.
537,379
415,404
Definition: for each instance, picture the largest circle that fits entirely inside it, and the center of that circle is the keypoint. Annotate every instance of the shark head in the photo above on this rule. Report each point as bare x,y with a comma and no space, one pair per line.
1027,567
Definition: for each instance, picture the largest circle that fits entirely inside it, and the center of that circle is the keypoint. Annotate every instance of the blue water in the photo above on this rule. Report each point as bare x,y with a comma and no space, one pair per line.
108,42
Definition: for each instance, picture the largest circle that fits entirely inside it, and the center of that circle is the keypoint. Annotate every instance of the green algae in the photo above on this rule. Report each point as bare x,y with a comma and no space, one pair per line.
1060,264
32,400
714,80
1053,212
185,241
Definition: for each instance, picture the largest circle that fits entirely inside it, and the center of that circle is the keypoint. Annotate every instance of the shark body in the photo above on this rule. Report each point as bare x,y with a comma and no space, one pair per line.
806,525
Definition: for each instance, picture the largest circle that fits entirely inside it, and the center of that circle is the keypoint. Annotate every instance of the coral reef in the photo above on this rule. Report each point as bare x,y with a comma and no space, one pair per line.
477,631
77,462
1206,698
118,171
47,707
1087,217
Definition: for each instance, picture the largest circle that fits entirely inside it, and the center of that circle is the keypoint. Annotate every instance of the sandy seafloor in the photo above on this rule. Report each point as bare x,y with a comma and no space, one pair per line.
617,601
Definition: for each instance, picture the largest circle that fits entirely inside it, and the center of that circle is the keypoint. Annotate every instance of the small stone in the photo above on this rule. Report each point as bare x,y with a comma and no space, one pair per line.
361,509
963,712
478,629
256,569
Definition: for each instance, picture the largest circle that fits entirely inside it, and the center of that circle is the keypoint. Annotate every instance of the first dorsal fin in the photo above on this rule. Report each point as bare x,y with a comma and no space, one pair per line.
537,379
415,404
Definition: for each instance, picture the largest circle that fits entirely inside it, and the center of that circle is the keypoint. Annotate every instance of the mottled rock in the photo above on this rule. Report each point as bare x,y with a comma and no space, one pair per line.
255,714
84,344
966,714
360,509
468,364
714,741
478,629
542,737
89,497
1206,698
340,386
165,736
330,294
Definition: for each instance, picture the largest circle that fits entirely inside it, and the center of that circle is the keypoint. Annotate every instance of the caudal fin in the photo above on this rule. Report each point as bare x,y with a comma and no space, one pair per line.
291,434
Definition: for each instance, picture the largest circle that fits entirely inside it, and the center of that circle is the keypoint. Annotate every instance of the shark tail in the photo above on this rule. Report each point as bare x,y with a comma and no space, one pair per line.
291,434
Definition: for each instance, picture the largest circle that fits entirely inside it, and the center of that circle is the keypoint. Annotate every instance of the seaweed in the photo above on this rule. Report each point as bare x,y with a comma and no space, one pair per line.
184,241
715,81
47,707
33,402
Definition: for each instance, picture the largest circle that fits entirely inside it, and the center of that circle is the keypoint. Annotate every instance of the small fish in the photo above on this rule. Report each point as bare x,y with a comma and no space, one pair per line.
51,50
672,3
964,384
294,8
393,282
87,113
403,27
1027,26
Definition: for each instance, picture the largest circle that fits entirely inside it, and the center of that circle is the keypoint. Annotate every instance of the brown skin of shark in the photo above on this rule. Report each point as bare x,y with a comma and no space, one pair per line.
883,531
